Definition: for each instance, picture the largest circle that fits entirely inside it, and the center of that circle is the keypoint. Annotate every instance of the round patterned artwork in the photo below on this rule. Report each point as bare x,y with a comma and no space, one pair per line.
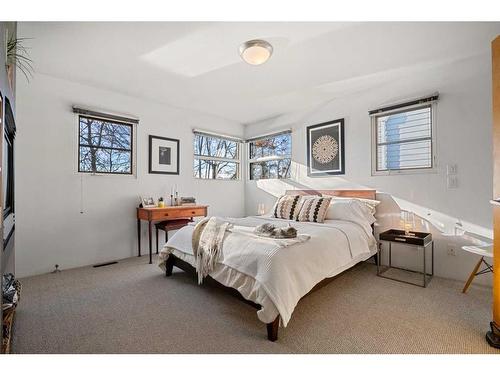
325,149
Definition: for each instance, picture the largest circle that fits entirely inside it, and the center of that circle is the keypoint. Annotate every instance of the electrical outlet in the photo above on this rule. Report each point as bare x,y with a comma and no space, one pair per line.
451,250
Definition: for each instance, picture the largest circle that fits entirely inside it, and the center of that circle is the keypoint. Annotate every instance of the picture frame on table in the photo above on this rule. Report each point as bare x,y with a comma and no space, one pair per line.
164,155
326,149
148,202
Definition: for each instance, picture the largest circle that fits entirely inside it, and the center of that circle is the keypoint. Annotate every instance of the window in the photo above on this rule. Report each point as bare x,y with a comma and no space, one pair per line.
270,156
216,158
105,146
403,139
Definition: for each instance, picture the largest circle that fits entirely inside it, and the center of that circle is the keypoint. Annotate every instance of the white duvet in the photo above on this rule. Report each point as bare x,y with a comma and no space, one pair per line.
277,277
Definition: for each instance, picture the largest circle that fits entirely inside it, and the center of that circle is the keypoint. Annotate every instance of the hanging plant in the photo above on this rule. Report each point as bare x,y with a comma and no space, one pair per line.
18,56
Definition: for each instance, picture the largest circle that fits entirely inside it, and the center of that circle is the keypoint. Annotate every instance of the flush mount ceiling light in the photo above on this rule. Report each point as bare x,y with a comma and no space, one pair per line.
256,52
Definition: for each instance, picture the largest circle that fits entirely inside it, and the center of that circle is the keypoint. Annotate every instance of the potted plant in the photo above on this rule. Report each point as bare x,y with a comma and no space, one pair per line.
18,56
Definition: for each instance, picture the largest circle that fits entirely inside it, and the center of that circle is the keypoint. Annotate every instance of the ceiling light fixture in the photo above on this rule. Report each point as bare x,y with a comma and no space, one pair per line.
256,52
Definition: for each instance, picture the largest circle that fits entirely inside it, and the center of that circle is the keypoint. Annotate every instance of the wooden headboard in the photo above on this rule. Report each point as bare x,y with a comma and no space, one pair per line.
357,193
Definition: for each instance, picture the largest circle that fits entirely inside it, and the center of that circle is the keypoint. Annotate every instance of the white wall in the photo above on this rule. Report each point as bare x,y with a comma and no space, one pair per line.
463,138
7,256
50,228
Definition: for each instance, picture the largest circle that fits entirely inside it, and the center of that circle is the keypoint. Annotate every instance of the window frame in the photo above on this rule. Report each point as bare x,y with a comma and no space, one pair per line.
250,161
374,142
133,142
236,160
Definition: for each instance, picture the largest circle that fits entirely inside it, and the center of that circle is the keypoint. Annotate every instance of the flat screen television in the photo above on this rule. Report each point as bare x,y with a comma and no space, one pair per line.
9,134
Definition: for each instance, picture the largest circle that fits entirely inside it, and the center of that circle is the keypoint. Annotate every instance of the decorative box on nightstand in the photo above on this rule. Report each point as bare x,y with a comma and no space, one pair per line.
419,240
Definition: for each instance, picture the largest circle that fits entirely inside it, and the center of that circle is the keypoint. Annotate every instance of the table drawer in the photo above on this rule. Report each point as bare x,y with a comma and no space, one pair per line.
175,213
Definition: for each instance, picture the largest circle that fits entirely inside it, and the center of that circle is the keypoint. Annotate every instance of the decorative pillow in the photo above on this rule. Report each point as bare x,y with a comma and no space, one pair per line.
287,207
313,208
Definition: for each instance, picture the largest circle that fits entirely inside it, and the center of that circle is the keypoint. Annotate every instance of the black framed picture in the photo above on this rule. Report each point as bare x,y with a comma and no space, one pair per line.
326,148
163,155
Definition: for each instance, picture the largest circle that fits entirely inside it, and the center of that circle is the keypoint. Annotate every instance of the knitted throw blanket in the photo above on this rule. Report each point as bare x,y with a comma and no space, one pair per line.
208,236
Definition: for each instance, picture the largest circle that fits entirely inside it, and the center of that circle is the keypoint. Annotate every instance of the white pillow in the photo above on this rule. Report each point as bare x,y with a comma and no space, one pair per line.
350,210
371,204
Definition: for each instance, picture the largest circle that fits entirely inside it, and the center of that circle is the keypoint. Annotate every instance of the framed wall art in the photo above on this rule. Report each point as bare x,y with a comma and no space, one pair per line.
163,155
326,149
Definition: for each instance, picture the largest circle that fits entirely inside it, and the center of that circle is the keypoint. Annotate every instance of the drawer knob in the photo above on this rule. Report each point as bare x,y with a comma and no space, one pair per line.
166,214
193,212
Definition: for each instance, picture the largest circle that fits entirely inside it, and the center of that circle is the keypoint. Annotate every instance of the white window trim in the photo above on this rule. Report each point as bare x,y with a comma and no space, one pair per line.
408,171
102,174
237,160
268,158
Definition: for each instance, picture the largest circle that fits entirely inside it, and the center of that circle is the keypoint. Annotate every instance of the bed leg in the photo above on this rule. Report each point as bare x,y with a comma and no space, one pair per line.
272,329
169,265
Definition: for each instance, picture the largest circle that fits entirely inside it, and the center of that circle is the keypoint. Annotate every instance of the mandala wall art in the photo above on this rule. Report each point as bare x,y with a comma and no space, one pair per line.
325,148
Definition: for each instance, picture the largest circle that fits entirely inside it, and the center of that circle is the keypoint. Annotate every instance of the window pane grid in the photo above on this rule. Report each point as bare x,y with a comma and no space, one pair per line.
418,155
270,169
215,158
405,130
107,148
270,157
407,112
410,117
407,123
279,145
411,140
210,146
104,146
404,140
215,170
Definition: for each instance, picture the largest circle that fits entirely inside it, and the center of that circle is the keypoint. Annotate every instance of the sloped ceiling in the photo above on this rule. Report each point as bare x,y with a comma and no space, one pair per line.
196,65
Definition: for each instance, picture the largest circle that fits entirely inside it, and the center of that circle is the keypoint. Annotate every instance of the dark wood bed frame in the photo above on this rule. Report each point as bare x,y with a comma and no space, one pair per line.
272,328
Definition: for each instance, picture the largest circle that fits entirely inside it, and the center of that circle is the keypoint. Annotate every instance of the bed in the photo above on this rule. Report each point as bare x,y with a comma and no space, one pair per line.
274,278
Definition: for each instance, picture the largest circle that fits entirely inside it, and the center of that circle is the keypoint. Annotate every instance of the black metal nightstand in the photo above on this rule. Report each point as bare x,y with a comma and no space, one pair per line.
420,240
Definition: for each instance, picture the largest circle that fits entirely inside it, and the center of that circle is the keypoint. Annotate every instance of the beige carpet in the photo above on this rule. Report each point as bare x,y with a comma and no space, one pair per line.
130,307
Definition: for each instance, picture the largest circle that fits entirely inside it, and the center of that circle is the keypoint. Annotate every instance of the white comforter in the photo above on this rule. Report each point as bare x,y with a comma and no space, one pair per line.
278,277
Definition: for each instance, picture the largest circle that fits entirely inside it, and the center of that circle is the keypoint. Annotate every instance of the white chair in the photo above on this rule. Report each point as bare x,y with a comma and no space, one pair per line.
486,251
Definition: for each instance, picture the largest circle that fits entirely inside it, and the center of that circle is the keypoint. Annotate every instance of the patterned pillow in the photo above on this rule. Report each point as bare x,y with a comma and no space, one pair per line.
313,209
287,207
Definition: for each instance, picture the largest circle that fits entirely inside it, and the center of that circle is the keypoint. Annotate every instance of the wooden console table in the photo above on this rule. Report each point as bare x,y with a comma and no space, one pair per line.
161,214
